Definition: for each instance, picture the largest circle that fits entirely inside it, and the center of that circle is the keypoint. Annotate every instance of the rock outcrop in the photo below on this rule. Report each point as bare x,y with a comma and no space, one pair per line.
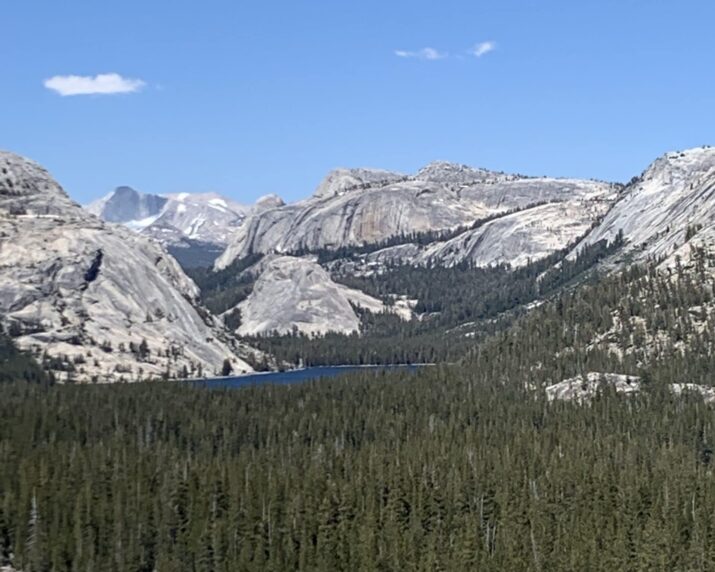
297,294
96,301
582,389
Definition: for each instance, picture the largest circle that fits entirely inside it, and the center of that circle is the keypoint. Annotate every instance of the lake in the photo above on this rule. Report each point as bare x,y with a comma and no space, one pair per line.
300,375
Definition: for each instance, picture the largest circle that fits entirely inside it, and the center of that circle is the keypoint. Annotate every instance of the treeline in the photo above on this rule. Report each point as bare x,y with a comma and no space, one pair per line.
645,320
448,297
385,342
466,292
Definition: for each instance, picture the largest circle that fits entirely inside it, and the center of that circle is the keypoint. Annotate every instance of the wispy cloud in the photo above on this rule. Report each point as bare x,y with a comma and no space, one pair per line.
424,54
483,48
431,54
107,83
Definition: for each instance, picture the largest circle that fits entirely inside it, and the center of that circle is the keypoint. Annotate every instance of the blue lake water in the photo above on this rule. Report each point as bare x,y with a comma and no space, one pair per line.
300,375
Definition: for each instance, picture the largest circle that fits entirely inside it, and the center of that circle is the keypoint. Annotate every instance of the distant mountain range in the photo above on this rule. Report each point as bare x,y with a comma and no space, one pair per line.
103,300
195,227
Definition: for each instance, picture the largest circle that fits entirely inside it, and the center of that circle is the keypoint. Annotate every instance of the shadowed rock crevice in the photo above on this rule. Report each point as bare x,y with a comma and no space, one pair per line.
93,270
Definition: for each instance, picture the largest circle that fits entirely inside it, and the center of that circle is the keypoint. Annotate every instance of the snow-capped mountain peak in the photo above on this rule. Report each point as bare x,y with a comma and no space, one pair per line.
173,218
125,205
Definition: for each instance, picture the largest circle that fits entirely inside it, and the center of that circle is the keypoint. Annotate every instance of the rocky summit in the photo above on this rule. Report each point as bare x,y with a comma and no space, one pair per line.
96,301
667,210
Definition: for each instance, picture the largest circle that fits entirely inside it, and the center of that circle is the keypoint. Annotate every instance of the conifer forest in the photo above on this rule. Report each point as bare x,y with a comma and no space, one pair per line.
461,466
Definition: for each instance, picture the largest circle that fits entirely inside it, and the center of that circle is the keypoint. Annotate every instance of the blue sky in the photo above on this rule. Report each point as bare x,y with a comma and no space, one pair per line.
253,97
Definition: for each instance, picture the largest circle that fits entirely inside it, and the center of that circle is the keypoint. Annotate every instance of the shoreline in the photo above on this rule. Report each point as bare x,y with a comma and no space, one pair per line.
299,369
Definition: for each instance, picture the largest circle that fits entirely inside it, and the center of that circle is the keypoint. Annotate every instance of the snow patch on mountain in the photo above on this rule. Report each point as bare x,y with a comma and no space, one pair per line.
173,218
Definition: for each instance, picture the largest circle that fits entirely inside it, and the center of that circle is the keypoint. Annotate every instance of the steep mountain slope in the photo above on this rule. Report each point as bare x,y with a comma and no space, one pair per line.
207,217
645,320
359,206
445,215
664,218
96,301
667,210
514,238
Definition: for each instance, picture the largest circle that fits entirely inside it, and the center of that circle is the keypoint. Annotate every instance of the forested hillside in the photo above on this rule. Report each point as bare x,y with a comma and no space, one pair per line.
646,320
454,468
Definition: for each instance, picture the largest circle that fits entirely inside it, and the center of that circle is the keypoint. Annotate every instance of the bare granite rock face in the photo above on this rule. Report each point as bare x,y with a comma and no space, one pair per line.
340,181
361,206
293,293
667,210
515,239
97,298
530,218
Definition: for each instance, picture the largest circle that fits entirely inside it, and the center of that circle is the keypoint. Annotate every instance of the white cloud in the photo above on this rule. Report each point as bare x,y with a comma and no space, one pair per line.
424,54
431,54
483,48
106,83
